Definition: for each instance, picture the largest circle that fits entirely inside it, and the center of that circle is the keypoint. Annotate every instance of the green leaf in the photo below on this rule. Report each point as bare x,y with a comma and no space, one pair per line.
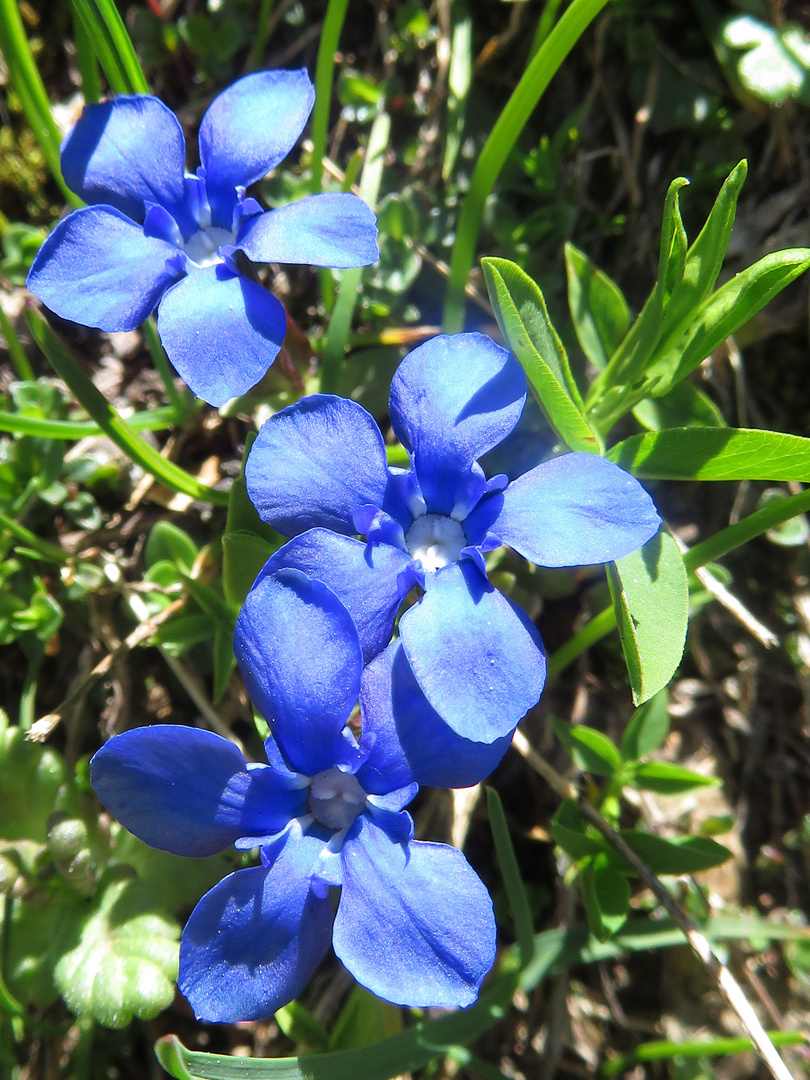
679,855
714,454
167,542
90,398
224,661
598,308
112,45
667,779
510,872
606,894
775,64
648,727
524,321
125,962
590,749
791,533
684,406
364,1019
662,1050
299,1025
248,541
650,597
723,313
568,829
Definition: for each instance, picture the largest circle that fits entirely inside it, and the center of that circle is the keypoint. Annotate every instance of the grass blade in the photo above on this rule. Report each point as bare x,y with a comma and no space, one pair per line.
324,70
113,426
513,883
112,45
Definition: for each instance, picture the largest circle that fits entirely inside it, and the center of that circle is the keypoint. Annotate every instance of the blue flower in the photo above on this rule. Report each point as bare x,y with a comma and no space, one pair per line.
318,473
155,235
414,923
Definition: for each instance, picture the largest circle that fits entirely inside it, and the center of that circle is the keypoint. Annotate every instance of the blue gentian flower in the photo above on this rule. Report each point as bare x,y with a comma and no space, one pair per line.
157,236
414,924
317,472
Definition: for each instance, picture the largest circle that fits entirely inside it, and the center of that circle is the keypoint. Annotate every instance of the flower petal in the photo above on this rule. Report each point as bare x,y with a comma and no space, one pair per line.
187,791
574,510
476,657
248,129
315,463
221,331
300,657
408,740
415,923
370,581
335,229
452,399
127,153
253,941
97,268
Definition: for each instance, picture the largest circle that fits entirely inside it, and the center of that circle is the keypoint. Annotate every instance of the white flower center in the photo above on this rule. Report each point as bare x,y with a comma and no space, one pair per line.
202,247
336,798
435,541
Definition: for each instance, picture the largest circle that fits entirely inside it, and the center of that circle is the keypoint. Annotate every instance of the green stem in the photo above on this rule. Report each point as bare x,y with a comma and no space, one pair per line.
501,142
26,712
262,29
114,426
21,363
86,61
324,71
666,1051
164,369
26,80
761,521
31,540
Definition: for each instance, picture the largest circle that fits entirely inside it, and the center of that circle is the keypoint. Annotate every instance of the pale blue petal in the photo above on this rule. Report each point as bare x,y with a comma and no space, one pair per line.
407,740
335,229
253,942
315,463
574,510
221,331
248,129
128,152
370,581
476,658
300,657
187,791
97,268
452,399
415,923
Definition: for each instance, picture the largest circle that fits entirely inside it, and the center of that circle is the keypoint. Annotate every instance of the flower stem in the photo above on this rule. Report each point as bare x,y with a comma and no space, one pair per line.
324,70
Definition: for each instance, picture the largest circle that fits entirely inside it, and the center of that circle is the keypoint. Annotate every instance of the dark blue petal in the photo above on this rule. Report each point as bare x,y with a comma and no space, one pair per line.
574,510
97,268
248,129
415,923
253,942
452,399
406,738
187,791
370,581
479,663
221,331
300,657
335,229
128,152
315,463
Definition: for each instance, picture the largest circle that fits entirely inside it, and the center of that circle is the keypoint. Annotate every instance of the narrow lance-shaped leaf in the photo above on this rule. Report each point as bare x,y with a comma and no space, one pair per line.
606,894
651,599
684,406
715,454
598,308
724,312
112,45
524,321
590,749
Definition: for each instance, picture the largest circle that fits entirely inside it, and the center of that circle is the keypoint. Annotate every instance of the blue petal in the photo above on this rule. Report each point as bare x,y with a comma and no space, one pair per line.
127,153
477,659
97,268
300,657
415,923
221,331
248,129
253,942
336,229
187,791
452,399
315,463
575,510
370,581
407,739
